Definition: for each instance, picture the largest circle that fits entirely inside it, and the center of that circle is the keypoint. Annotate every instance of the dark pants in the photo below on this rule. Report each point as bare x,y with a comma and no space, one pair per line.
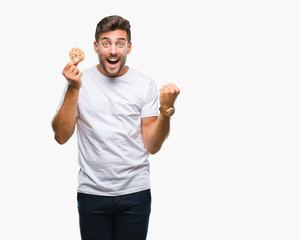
123,217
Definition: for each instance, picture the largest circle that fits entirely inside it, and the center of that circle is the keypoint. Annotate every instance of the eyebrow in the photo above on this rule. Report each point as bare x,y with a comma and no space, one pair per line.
107,38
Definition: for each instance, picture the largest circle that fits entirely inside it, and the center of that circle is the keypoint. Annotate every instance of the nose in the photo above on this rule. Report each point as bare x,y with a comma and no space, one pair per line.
113,49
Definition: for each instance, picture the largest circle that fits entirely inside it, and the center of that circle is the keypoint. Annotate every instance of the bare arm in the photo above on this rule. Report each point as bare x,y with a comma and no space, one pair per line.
64,122
155,130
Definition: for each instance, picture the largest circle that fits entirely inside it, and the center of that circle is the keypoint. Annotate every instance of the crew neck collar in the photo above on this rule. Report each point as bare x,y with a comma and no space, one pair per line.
113,78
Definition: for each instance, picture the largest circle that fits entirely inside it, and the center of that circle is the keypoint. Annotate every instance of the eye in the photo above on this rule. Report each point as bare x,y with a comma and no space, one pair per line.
120,44
106,44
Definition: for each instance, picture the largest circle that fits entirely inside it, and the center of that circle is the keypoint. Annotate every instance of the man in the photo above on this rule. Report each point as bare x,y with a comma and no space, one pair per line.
115,109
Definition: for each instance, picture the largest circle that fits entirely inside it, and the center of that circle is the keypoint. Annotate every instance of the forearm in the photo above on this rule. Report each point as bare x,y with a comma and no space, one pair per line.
64,122
158,133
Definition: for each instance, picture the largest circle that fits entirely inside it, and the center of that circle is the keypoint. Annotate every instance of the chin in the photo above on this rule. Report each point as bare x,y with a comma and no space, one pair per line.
113,73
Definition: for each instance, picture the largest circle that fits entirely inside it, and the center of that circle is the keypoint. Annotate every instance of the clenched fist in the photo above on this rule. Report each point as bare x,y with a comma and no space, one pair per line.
73,75
168,95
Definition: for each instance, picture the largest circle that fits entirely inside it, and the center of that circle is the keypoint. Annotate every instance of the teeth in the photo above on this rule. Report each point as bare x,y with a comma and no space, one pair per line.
113,60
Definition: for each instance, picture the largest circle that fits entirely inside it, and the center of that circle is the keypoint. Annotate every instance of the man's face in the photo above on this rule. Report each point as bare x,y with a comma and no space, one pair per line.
112,49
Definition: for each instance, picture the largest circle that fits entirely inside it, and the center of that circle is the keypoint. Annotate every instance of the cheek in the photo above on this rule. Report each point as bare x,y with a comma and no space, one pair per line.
124,52
103,51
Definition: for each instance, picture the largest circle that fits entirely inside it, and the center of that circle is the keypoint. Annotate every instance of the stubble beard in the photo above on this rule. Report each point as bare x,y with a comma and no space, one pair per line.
102,61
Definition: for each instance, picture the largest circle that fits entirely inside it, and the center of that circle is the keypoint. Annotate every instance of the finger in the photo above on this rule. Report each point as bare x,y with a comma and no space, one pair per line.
76,61
79,75
71,72
75,70
68,66
172,88
163,90
169,88
175,87
72,63
166,90
72,69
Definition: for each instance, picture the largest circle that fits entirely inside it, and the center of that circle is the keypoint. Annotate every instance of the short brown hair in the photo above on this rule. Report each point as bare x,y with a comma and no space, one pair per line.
111,23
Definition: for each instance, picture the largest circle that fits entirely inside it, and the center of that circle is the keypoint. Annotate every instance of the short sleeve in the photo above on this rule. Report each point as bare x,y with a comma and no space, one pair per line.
150,107
63,98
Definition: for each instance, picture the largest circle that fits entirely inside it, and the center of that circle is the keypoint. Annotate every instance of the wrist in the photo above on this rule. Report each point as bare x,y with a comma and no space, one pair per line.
167,112
164,118
74,87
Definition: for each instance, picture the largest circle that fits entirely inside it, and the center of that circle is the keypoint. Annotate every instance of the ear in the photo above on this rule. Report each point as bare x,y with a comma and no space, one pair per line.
129,48
96,47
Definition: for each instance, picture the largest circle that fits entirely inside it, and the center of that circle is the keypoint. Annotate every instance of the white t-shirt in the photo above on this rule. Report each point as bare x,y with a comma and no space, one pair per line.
112,158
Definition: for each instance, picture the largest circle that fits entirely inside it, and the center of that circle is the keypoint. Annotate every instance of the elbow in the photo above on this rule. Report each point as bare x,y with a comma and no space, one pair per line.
60,142
61,136
154,149
152,152
60,139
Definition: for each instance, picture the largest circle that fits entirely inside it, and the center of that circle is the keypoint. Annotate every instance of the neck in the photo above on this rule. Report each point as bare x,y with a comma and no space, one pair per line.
121,73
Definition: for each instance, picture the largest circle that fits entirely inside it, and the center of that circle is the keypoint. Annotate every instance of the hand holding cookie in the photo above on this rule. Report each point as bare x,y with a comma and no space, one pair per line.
71,72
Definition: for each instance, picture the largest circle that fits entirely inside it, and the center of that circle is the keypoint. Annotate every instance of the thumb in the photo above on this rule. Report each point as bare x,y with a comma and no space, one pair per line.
76,61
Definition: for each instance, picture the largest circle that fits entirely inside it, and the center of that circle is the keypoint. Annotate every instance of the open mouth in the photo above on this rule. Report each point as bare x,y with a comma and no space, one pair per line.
113,61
